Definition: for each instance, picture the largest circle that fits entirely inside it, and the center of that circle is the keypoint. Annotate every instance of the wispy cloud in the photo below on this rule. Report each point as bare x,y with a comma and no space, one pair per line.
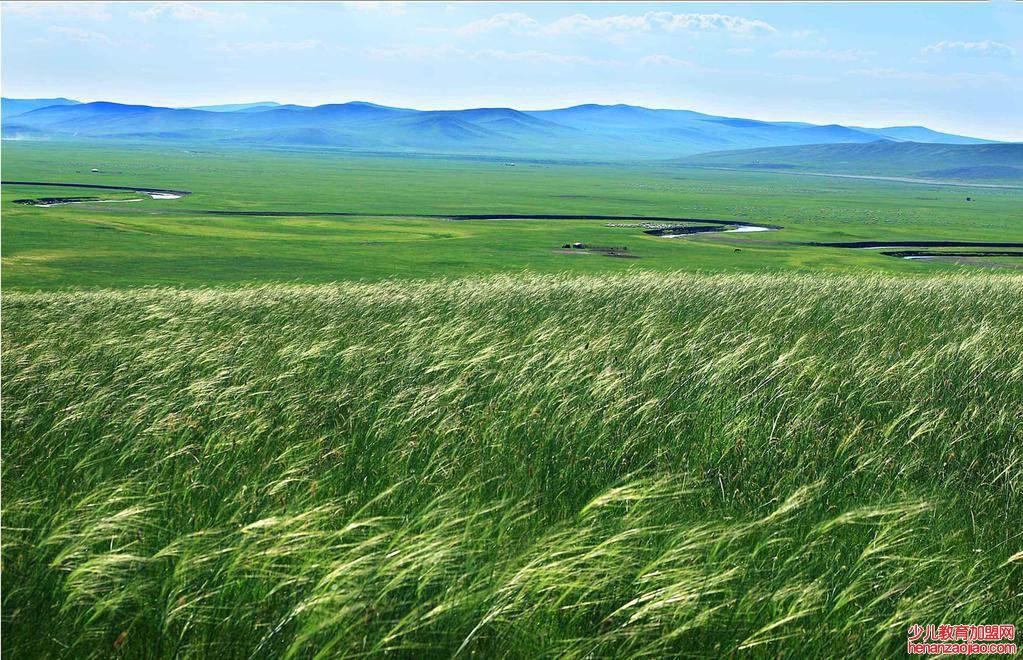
82,36
652,21
94,10
659,59
515,22
60,34
804,79
412,52
395,8
417,52
804,34
185,11
887,73
259,47
535,56
970,48
849,55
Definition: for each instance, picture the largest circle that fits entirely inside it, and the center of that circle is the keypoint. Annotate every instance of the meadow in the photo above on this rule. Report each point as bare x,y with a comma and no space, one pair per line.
175,243
318,436
640,464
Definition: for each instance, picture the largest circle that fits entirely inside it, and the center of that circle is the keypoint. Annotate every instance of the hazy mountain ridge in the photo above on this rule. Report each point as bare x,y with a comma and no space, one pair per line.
589,130
963,162
14,107
258,106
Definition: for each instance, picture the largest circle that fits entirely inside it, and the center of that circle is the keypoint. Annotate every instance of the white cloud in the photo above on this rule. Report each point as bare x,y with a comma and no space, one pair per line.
94,10
659,59
535,56
257,47
739,51
82,36
849,55
651,21
965,78
970,48
807,80
412,52
583,24
806,34
394,8
416,52
515,22
185,11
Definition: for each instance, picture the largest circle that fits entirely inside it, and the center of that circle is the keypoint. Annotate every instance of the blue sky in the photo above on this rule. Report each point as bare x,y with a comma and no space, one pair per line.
950,66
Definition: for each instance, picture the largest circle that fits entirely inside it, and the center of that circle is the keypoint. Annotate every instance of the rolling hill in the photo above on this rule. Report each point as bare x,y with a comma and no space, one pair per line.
612,132
919,134
14,107
258,106
963,162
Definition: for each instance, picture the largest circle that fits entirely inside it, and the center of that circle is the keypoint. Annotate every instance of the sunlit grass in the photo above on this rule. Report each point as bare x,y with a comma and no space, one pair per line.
520,466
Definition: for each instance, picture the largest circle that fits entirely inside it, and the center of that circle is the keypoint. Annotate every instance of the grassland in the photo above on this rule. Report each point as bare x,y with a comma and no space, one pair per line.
173,243
646,464
313,436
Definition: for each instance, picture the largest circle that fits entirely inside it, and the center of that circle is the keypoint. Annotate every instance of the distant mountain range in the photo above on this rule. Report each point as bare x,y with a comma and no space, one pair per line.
991,162
589,131
14,107
239,107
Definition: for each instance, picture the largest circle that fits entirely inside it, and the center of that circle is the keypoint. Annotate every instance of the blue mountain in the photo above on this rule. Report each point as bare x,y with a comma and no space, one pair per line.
584,131
238,107
14,107
991,162
920,134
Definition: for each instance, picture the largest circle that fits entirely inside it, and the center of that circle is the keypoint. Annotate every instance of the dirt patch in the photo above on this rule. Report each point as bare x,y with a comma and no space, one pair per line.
618,251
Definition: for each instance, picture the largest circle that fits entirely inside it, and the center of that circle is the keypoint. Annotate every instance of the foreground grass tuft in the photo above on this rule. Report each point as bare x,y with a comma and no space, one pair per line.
591,466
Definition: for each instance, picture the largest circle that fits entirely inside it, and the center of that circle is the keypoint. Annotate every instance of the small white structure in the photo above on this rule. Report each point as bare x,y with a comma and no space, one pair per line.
95,169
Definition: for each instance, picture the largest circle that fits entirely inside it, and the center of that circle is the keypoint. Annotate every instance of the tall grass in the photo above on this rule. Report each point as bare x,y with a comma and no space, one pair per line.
523,466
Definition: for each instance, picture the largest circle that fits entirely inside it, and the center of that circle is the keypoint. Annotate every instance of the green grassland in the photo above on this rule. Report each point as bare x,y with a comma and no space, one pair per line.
170,242
312,436
512,466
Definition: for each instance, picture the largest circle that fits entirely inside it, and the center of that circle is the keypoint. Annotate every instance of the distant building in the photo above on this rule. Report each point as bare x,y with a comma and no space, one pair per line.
95,169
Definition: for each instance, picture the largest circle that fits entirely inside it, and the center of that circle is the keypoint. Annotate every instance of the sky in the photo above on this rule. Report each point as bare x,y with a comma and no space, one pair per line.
952,66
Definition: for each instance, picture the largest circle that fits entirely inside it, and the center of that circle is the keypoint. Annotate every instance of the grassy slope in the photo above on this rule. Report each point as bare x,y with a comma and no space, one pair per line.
159,242
951,161
796,465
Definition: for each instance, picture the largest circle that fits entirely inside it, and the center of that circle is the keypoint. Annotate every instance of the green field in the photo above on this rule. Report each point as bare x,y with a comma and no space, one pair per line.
169,242
526,466
313,436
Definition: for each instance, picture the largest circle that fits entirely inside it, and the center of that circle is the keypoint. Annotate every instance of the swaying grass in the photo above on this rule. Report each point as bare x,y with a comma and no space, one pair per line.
526,466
